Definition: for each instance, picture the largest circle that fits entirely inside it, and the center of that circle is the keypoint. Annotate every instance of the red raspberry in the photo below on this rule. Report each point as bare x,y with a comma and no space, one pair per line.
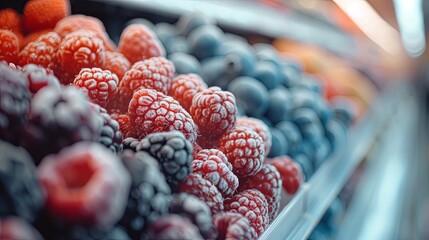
9,46
99,85
212,165
184,87
151,111
215,112
174,226
232,226
124,123
78,50
42,14
260,128
11,20
195,185
117,63
39,77
196,149
251,204
155,73
244,149
32,37
269,183
41,52
78,22
290,172
78,180
138,42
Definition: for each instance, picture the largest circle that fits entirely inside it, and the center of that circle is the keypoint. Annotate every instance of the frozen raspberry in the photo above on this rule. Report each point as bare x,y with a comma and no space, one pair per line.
119,103
80,49
213,166
194,209
174,226
77,22
184,87
196,149
41,52
11,20
214,111
117,63
78,180
33,36
251,204
59,118
173,152
149,195
39,77
290,173
138,42
42,14
124,123
151,111
155,73
260,128
20,192
111,136
195,185
14,228
99,85
231,226
14,103
269,183
244,149
130,143
9,46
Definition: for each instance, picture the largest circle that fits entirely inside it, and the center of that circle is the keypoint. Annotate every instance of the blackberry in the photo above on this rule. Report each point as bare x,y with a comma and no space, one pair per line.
196,210
173,152
14,103
111,136
149,195
20,192
130,143
59,118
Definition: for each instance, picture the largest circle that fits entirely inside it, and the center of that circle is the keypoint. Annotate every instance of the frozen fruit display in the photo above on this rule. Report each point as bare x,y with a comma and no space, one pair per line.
183,131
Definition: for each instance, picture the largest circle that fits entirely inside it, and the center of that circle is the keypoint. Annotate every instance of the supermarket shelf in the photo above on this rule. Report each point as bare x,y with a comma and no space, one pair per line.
387,190
298,219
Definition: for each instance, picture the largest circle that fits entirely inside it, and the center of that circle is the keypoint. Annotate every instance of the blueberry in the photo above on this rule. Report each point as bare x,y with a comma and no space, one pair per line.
322,151
291,72
280,105
213,72
250,94
185,63
143,21
165,32
243,51
336,133
292,134
205,40
323,110
191,21
344,110
265,120
302,97
306,165
266,52
307,148
176,44
268,73
311,83
279,145
309,124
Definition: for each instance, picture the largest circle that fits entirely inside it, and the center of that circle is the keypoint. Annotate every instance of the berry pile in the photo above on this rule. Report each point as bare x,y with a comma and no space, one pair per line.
180,132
